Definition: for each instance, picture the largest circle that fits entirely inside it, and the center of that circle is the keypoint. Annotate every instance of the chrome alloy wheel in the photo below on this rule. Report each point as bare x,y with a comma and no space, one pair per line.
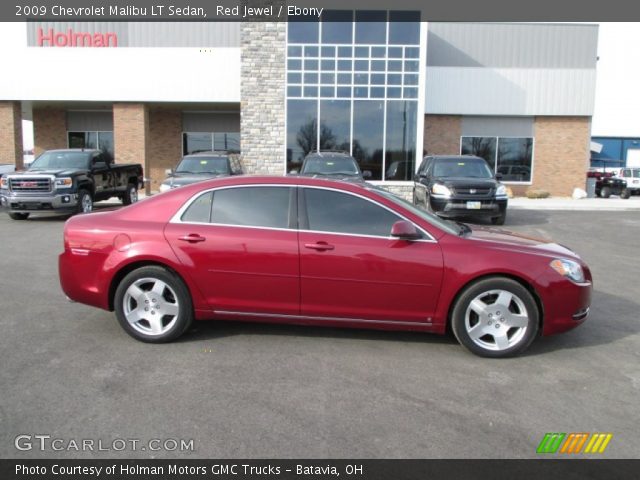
87,203
496,320
133,195
150,306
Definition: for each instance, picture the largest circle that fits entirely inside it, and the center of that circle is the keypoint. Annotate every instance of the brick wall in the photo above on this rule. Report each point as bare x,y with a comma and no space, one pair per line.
11,133
131,134
442,134
49,129
165,144
262,94
561,154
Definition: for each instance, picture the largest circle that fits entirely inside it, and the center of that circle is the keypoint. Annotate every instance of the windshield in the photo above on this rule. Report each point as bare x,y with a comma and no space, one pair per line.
446,225
461,167
330,166
61,160
636,173
214,165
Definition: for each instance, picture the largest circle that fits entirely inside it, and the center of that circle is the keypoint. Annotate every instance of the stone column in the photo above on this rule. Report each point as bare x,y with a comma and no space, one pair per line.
131,135
11,133
262,97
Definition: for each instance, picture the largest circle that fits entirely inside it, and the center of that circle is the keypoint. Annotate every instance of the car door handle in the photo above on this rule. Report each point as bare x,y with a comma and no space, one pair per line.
192,238
321,246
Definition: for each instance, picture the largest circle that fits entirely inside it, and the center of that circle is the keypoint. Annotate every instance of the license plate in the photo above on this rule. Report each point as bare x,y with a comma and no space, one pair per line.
474,205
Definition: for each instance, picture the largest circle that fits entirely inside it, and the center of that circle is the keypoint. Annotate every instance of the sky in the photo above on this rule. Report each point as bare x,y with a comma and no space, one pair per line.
617,103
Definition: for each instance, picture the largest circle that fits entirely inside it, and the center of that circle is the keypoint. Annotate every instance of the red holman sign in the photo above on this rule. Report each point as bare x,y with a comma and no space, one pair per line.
71,38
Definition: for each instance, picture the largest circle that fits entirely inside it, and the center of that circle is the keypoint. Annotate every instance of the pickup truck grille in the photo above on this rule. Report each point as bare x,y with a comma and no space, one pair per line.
472,191
30,184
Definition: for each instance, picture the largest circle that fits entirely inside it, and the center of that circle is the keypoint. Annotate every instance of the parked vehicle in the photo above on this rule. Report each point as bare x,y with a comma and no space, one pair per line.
460,186
68,181
201,166
302,250
607,184
336,165
632,177
7,168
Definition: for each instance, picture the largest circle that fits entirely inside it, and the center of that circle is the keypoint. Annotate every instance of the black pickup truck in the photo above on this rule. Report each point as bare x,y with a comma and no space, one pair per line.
68,181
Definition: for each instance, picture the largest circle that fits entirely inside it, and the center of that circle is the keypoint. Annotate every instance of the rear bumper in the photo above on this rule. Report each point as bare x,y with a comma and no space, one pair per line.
452,207
82,277
59,202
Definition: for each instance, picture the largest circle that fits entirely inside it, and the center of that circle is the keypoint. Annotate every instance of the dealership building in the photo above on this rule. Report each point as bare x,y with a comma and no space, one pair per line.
382,85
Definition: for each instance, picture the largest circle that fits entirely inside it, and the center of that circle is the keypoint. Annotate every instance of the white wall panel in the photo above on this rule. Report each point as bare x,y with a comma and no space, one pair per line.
509,91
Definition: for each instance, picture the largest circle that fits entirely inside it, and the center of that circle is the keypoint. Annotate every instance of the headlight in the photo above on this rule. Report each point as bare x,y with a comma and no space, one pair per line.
64,182
4,183
439,189
501,191
164,187
568,268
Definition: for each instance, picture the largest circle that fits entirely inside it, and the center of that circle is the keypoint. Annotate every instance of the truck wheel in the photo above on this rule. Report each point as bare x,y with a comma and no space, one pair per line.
85,202
131,195
605,192
625,193
499,220
19,216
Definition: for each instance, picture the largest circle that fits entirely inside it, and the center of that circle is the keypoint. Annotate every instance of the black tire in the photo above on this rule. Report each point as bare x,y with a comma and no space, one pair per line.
494,321
605,192
18,216
85,201
151,326
625,193
499,220
130,195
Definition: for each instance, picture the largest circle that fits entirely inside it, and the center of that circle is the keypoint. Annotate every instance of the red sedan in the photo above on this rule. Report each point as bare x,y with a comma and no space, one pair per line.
321,252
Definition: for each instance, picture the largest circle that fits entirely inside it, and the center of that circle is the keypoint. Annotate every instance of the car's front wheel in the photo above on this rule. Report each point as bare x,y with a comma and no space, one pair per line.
131,195
153,305
626,193
605,192
495,317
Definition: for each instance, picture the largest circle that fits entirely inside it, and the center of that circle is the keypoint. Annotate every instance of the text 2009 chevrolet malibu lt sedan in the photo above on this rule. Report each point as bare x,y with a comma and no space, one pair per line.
321,252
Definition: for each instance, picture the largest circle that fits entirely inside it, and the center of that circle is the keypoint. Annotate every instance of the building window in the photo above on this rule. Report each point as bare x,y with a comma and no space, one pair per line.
102,141
195,142
352,85
512,157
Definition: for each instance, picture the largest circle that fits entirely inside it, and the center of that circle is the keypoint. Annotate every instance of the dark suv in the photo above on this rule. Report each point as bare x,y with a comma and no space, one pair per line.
338,165
460,186
197,167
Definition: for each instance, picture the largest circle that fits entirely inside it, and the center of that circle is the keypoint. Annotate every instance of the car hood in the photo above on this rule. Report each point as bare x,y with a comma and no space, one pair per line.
60,172
182,179
467,182
506,239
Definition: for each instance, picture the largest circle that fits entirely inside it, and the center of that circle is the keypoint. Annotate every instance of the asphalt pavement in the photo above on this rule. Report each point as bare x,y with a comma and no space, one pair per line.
269,391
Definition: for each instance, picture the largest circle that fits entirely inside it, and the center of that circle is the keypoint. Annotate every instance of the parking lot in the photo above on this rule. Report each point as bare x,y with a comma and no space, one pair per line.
262,391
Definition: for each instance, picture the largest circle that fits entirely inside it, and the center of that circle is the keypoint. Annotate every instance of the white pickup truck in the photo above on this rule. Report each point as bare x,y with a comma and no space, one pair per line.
632,177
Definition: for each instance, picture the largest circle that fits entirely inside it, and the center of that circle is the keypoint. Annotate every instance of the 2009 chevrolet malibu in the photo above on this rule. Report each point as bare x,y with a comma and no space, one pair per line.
321,252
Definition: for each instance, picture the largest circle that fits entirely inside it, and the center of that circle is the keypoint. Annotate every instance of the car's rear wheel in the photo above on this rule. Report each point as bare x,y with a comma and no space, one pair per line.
131,195
605,192
18,216
625,193
153,305
495,317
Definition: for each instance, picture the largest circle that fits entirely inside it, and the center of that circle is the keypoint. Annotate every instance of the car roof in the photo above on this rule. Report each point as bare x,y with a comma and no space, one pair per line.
455,157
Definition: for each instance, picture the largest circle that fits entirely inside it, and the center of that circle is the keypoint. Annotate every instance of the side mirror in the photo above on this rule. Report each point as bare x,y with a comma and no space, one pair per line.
168,171
404,230
498,176
367,174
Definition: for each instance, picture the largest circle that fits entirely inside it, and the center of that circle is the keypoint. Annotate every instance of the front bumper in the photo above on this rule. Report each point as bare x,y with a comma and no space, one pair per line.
453,207
13,203
566,304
